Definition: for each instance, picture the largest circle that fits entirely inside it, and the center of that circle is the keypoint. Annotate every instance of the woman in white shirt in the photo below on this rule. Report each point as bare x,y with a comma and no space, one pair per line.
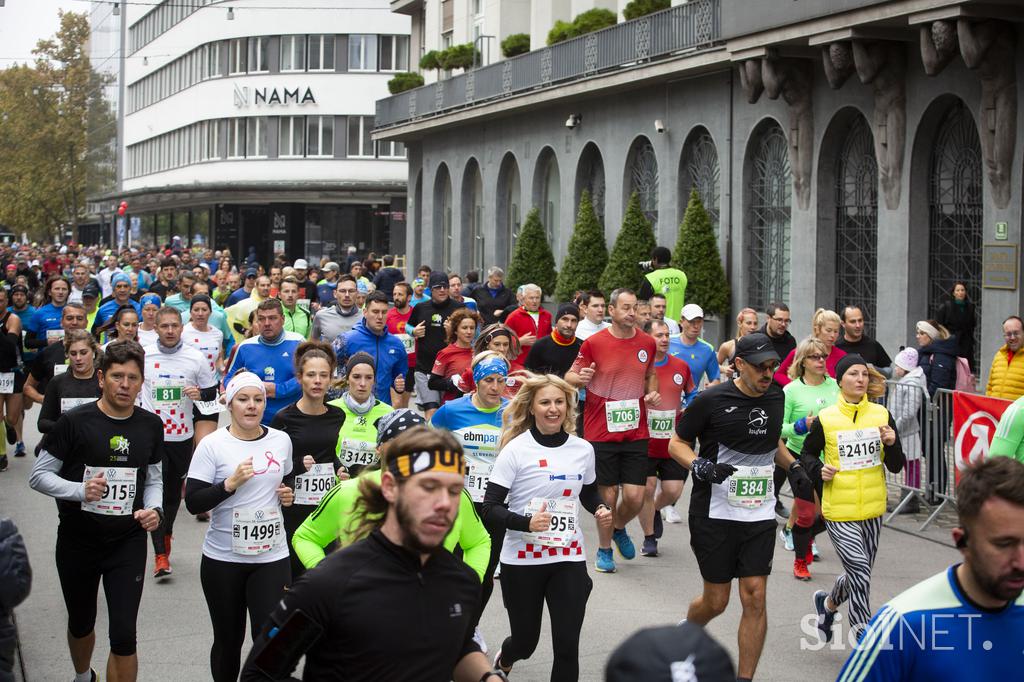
210,342
237,473
147,326
545,473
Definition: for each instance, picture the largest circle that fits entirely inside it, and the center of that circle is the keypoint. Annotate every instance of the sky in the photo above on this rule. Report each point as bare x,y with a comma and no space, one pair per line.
24,22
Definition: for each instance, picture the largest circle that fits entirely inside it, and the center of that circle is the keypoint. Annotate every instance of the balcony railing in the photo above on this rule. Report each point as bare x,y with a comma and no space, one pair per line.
691,26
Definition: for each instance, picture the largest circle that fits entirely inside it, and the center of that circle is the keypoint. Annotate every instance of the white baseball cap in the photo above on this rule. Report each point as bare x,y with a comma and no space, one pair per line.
691,311
301,264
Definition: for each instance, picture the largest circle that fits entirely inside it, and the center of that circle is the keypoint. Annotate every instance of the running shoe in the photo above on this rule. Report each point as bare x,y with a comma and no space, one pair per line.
496,665
478,637
780,509
659,526
650,547
19,449
825,617
787,538
670,514
3,462
624,544
162,567
800,571
93,677
605,563
814,551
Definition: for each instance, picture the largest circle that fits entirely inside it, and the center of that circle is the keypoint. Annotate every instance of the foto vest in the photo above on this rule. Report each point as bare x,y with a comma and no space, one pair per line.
1006,378
671,283
852,495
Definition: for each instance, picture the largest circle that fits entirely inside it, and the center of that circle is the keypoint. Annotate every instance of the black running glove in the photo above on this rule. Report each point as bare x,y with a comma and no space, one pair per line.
711,472
800,482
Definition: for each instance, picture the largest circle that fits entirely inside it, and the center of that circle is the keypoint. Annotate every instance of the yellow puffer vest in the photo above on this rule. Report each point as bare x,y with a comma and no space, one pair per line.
852,495
1006,379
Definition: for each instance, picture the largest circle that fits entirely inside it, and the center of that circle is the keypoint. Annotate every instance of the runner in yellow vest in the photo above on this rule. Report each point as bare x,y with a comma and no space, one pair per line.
666,280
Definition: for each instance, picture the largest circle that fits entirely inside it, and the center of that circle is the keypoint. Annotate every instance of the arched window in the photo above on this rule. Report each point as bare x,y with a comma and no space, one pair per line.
643,178
443,215
590,178
955,212
508,200
547,195
856,196
701,172
768,219
474,189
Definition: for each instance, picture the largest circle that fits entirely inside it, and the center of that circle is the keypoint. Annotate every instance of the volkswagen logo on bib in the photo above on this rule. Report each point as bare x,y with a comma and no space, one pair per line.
642,355
259,514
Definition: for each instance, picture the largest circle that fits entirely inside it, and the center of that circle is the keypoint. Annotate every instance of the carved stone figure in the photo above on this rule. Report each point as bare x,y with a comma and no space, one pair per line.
989,47
938,46
750,79
792,80
883,65
837,59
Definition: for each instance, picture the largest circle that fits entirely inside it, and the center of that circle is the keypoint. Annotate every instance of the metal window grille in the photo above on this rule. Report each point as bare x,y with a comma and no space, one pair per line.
644,180
703,171
769,218
592,173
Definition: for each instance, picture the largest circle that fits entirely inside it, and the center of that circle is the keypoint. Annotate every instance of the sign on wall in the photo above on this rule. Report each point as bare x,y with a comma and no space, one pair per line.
245,96
999,269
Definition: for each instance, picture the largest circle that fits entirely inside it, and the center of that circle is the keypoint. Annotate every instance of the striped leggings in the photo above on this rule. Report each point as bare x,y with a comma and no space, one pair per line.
856,543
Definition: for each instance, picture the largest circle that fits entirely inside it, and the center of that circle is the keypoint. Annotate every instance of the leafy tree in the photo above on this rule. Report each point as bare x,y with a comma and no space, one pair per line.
696,254
562,30
403,81
633,245
639,8
587,255
532,260
515,44
430,60
585,22
54,114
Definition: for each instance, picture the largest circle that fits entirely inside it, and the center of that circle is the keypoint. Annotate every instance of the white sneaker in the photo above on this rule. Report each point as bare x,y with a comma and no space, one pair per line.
478,637
670,515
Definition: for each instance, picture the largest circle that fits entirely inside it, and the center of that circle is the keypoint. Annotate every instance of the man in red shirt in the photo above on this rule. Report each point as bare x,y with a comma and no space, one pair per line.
674,382
395,321
617,367
529,321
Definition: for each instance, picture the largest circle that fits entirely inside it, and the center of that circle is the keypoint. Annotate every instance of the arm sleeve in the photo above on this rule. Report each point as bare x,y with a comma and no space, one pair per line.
497,514
473,537
153,492
49,411
533,358
232,367
590,498
645,290
287,389
439,383
46,479
1009,432
33,340
815,441
323,526
894,457
789,417
202,496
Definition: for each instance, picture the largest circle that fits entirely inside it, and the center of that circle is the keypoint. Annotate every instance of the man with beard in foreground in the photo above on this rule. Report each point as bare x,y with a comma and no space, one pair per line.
396,605
968,621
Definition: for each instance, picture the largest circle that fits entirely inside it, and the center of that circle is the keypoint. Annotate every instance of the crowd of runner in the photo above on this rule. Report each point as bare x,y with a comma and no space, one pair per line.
396,417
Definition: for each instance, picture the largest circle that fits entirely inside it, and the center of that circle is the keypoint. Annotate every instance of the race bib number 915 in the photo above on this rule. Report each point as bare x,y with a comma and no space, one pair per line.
119,493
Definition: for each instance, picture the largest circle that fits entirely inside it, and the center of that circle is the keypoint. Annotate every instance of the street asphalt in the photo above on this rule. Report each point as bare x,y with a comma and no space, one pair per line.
174,631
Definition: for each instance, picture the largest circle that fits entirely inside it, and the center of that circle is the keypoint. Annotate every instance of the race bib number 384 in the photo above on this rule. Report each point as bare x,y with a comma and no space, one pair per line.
751,487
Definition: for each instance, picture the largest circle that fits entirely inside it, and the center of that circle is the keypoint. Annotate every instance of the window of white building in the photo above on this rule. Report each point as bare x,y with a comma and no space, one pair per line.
359,143
291,132
394,53
321,53
362,52
293,53
319,136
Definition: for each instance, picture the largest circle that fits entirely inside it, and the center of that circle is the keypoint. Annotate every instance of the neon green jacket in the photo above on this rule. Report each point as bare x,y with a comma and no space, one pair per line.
333,520
1009,438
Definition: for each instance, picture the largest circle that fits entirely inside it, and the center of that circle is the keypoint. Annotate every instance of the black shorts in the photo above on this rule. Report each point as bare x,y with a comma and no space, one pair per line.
198,416
621,463
666,469
726,550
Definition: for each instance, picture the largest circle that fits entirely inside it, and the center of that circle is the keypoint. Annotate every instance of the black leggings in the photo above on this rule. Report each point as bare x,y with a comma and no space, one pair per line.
294,515
565,585
497,539
231,589
176,459
121,566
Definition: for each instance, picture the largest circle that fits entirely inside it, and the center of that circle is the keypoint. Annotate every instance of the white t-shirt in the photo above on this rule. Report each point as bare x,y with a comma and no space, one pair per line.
167,375
215,459
529,470
208,343
585,329
148,337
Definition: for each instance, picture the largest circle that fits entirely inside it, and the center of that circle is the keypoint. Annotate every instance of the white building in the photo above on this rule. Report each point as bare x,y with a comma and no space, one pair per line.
247,125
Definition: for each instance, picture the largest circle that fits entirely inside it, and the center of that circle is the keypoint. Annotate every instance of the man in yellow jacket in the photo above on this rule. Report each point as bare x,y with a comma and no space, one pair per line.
1006,377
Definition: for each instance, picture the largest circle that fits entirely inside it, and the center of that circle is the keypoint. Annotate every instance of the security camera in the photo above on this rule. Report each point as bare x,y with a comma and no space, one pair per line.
573,121
659,125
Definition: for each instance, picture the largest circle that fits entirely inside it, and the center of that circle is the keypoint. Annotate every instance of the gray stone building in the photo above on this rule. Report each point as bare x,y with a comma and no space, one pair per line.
850,151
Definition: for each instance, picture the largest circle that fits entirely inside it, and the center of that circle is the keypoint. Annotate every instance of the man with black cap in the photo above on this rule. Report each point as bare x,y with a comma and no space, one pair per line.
555,353
732,514
420,627
248,284
672,653
427,325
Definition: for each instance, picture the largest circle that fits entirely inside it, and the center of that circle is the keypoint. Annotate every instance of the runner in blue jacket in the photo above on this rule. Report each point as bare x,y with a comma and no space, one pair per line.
371,336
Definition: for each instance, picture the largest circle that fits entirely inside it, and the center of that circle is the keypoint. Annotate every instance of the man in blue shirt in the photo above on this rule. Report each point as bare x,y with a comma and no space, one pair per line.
698,353
966,623
239,295
370,335
270,356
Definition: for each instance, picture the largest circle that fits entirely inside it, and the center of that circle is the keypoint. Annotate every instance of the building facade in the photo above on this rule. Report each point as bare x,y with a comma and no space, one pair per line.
247,126
859,152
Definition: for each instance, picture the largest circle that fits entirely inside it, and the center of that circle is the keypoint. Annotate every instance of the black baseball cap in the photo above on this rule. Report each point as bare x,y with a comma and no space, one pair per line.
437,279
91,290
19,287
668,654
756,348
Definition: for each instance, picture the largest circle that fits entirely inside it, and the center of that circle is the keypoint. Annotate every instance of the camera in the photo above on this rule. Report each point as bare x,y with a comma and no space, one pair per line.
573,121
646,265
659,125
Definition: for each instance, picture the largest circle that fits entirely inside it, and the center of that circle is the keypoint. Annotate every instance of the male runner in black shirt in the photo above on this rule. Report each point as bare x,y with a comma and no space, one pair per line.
555,353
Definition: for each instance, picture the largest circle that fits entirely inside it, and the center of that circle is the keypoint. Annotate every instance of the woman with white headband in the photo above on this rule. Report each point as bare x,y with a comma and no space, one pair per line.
936,355
237,473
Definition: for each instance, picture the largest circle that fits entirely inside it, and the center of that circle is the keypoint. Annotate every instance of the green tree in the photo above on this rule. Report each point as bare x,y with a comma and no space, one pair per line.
696,254
633,245
532,260
639,8
585,22
515,44
587,255
403,81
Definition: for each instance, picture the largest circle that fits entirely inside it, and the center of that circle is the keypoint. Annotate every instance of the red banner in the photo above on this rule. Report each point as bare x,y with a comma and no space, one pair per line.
975,418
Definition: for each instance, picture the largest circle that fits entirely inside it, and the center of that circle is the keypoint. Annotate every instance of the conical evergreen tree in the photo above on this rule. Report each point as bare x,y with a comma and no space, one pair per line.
633,245
587,255
697,255
532,260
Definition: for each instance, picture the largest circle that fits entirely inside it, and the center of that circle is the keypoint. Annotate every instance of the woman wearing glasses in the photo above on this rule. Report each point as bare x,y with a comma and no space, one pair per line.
825,326
811,391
